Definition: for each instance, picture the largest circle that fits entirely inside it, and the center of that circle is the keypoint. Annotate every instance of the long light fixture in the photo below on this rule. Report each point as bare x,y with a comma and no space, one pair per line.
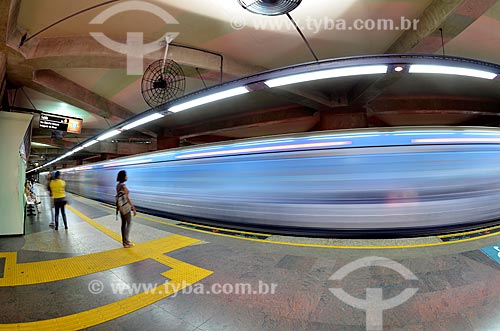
144,120
90,143
108,135
330,73
209,98
352,70
448,70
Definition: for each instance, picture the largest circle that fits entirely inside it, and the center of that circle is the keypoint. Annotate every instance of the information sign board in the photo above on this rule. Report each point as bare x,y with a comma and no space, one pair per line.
61,123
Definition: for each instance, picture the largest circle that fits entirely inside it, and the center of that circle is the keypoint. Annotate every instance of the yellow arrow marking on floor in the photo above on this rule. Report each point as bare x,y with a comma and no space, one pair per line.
16,274
181,275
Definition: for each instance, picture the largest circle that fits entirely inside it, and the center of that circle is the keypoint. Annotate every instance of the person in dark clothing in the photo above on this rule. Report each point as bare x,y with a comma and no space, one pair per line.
125,207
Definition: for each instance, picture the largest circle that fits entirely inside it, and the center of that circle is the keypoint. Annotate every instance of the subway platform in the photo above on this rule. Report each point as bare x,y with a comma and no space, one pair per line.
181,276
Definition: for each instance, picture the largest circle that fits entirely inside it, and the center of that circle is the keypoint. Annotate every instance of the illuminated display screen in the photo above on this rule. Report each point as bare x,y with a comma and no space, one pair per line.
62,123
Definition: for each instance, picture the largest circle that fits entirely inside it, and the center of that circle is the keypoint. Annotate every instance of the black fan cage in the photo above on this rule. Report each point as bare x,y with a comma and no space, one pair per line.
270,7
162,83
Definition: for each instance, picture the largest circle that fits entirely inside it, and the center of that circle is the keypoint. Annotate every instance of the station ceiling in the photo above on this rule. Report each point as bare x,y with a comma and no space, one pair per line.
65,70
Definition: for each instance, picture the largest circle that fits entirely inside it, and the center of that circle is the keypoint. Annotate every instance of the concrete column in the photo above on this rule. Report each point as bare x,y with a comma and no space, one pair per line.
331,120
13,126
167,142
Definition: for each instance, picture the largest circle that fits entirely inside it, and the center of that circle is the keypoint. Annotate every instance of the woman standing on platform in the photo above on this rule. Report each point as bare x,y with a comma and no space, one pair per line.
57,187
125,206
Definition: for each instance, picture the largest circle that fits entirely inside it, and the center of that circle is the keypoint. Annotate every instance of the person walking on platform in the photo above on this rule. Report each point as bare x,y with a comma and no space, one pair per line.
125,206
57,187
49,179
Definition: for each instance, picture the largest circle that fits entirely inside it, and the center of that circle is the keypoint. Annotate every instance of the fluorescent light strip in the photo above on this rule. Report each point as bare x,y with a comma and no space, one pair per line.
209,98
447,70
67,154
144,120
330,73
457,140
90,143
265,149
108,135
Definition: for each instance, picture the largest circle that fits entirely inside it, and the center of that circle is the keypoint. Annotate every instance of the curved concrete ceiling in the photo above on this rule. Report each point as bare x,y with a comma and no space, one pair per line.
66,67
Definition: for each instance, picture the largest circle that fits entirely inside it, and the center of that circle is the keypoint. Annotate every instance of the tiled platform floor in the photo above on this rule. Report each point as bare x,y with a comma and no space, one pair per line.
459,286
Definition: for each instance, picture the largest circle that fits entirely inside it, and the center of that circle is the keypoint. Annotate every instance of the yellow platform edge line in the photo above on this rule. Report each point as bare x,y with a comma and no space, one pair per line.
468,232
107,206
329,246
317,245
226,230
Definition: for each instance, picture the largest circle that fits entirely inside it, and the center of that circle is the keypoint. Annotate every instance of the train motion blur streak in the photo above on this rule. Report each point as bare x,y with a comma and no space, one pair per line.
359,180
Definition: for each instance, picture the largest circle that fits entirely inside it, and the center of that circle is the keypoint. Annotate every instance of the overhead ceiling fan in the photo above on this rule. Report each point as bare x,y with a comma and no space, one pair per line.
270,7
163,80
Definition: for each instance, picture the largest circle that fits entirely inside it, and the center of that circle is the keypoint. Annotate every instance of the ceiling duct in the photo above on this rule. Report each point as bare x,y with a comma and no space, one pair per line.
270,7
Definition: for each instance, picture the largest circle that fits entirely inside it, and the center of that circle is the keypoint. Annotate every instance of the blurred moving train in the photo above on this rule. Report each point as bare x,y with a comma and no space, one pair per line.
404,181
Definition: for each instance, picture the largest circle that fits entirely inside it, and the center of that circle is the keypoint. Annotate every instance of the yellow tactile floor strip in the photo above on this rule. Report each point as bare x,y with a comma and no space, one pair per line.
180,275
49,271
97,225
